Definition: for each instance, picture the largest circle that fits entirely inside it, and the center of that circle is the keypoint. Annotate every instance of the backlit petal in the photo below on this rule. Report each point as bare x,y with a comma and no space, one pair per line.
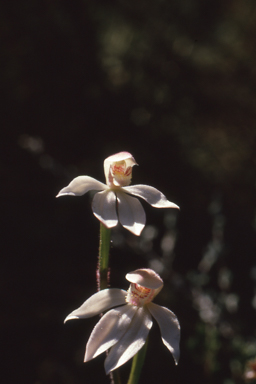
151,195
80,185
104,208
99,302
109,330
145,277
169,327
131,213
131,342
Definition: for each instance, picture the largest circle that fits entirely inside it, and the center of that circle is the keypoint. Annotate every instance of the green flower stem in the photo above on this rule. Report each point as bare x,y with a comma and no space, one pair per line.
103,275
137,364
102,272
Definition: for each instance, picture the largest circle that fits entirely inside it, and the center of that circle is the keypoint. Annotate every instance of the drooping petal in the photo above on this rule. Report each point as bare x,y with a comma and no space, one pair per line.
99,302
145,277
109,330
131,342
131,213
151,195
80,185
169,327
104,208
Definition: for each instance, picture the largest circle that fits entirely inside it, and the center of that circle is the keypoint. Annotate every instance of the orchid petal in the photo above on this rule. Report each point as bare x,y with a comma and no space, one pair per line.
99,302
109,330
132,341
145,277
104,208
169,327
80,185
129,159
131,213
152,196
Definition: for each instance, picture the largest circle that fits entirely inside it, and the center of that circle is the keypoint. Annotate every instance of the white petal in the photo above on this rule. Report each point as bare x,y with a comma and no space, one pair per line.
131,213
109,330
99,302
129,159
104,208
145,277
132,341
80,185
169,327
151,195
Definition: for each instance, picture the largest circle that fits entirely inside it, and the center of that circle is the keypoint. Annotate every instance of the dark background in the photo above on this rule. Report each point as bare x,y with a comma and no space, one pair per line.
173,82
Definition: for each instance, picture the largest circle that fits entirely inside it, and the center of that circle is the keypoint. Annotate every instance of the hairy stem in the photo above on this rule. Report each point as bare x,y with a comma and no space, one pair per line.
102,270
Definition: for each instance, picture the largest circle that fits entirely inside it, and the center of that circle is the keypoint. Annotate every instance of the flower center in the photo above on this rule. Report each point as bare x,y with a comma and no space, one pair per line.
139,295
121,174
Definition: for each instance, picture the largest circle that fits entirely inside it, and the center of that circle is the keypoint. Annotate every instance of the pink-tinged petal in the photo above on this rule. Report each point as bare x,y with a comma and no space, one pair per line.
131,342
80,185
152,196
131,213
145,277
111,160
169,327
129,159
104,208
99,302
109,330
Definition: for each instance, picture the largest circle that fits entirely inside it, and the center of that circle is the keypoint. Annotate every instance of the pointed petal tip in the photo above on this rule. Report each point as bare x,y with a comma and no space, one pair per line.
70,318
86,357
65,194
176,356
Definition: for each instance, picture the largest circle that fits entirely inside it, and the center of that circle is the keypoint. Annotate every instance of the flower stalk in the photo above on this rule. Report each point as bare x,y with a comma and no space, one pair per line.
137,364
103,275
102,270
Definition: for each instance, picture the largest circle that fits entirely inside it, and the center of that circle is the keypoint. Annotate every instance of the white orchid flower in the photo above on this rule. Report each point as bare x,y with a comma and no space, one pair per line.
115,194
125,328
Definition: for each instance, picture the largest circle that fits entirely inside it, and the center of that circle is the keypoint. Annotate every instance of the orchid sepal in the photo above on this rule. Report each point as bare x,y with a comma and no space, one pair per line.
98,303
151,195
81,185
169,328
